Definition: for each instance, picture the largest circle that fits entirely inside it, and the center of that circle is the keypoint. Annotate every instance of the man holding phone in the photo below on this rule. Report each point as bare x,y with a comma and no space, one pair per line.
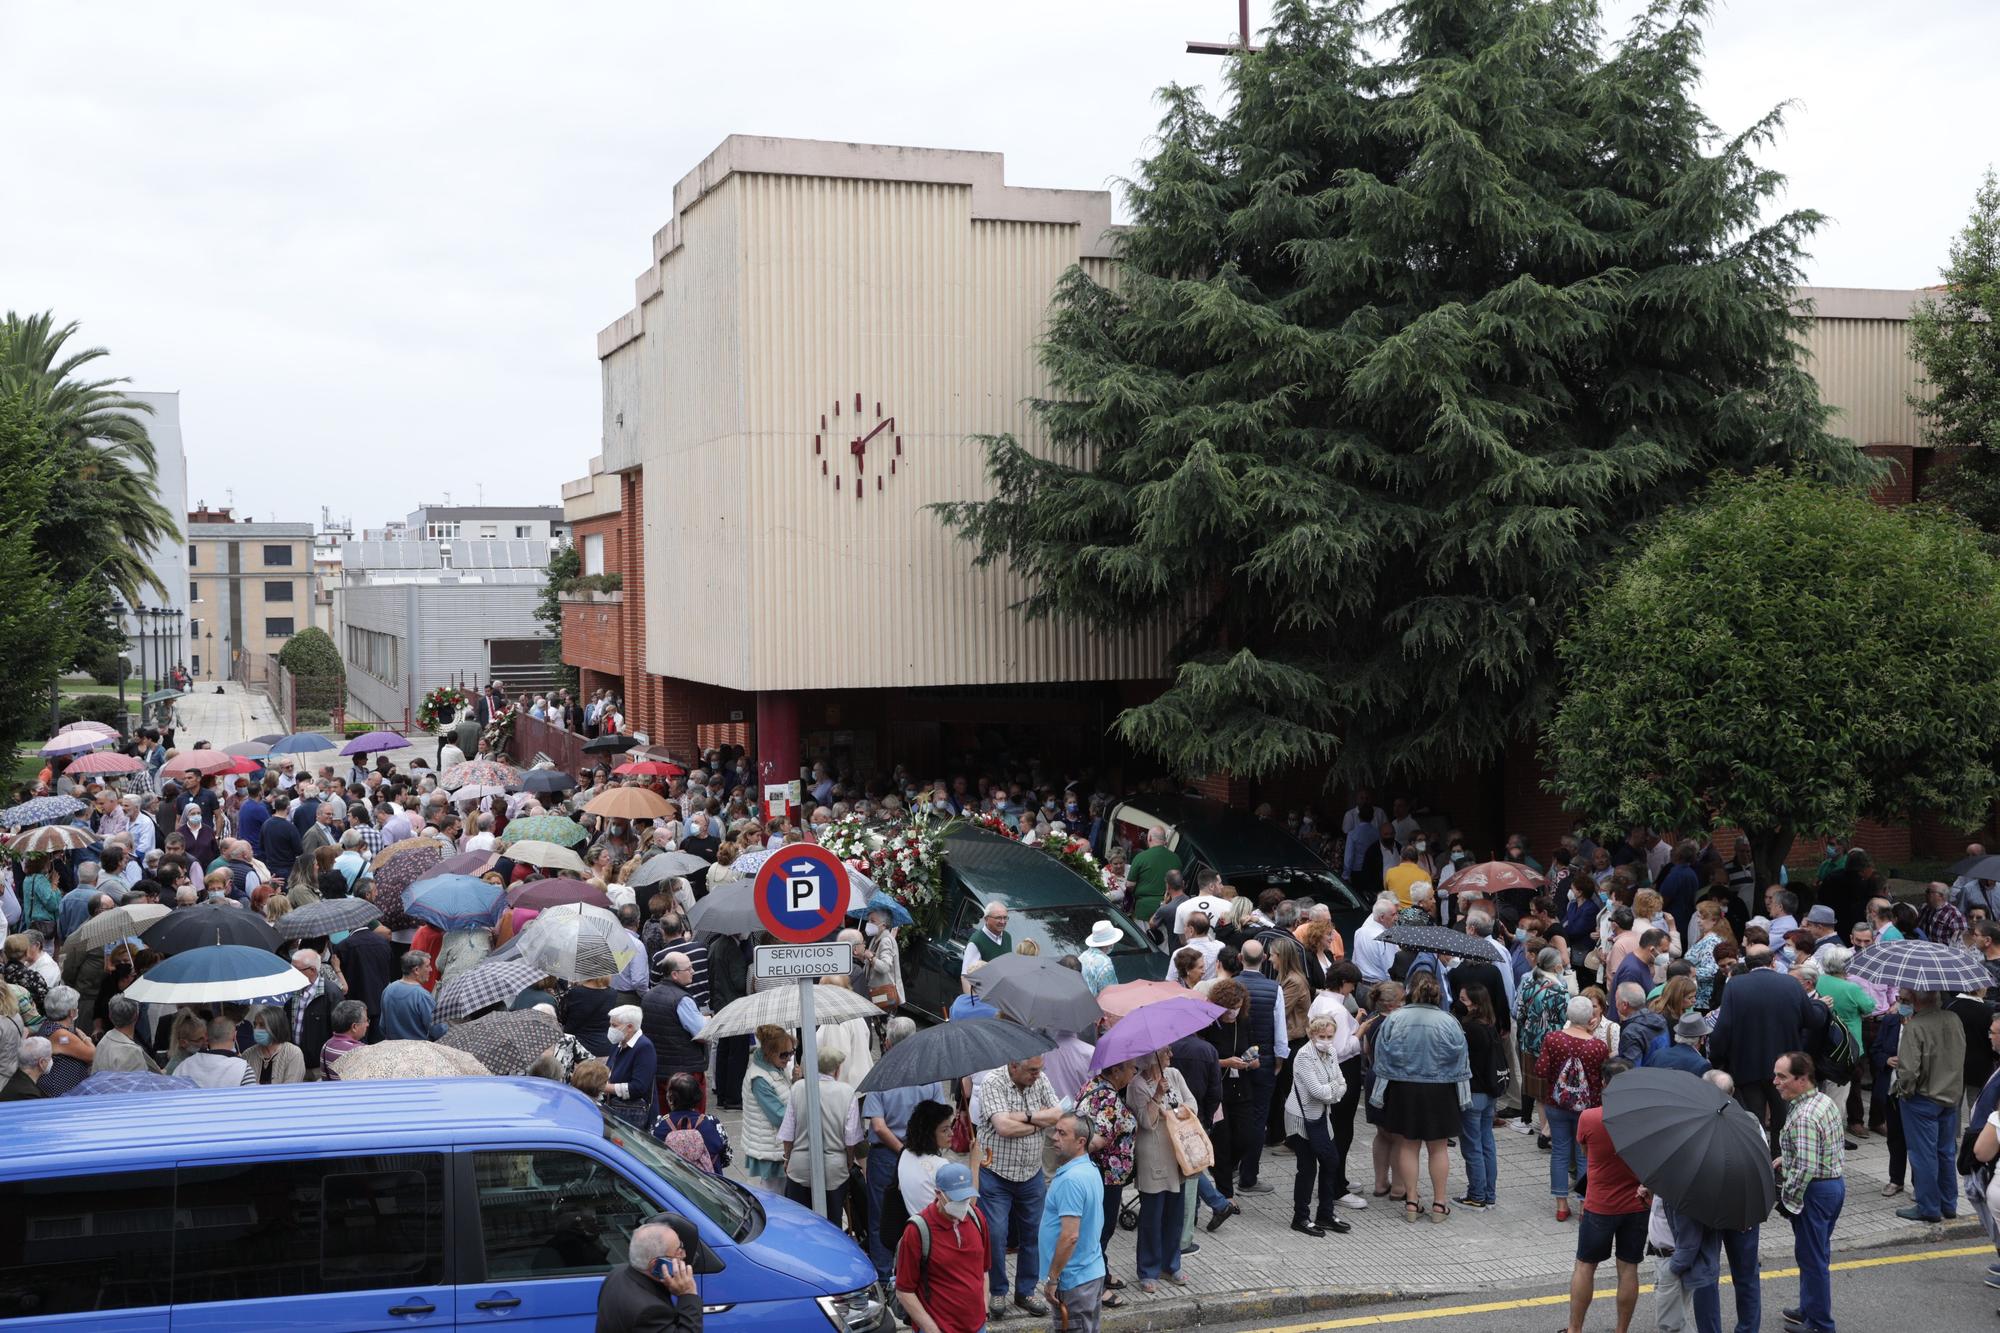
655,1291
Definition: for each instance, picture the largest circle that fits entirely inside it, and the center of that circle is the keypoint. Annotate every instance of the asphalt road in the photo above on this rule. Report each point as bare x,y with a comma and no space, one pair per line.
1927,1287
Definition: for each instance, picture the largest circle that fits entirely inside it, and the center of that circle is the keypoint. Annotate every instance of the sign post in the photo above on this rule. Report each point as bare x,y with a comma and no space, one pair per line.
801,897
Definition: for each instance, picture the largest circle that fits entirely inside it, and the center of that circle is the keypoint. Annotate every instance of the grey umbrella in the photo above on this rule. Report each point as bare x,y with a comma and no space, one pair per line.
505,1042
1038,992
664,866
327,916
729,910
953,1050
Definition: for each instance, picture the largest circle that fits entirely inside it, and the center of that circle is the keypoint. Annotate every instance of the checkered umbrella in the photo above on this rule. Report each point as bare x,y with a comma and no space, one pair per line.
577,942
780,1006
496,981
506,1042
406,1059
327,916
41,810
1919,965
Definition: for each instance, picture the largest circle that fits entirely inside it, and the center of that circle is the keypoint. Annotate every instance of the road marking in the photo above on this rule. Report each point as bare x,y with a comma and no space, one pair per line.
1536,1302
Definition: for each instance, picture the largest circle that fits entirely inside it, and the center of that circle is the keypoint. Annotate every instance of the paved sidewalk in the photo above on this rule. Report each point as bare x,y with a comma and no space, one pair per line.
1256,1266
223,719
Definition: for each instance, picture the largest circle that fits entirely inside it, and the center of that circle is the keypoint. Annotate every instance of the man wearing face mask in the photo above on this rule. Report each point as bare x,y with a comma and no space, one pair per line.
197,837
941,1259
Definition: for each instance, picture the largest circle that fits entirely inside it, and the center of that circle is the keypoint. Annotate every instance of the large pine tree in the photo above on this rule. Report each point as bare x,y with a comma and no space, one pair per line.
1401,347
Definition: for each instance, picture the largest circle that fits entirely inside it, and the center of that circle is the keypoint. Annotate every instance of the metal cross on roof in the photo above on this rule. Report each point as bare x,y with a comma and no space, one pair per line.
1238,47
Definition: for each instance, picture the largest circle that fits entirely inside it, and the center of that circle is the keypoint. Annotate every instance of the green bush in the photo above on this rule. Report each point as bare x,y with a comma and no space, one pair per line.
318,674
106,666
311,719
92,708
353,729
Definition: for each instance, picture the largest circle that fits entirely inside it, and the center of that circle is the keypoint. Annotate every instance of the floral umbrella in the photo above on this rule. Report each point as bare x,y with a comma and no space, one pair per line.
395,849
483,772
395,874
41,810
545,828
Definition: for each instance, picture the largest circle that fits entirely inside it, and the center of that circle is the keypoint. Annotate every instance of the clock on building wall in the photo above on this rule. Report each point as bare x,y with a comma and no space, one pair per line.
857,451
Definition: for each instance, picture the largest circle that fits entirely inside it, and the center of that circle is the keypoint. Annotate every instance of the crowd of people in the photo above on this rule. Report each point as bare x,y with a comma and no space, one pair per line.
1645,952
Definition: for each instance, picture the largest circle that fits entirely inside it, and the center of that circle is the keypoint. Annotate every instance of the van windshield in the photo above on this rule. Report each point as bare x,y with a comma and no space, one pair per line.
725,1204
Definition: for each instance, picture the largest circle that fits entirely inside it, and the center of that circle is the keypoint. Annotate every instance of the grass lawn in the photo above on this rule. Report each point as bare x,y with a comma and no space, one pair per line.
134,687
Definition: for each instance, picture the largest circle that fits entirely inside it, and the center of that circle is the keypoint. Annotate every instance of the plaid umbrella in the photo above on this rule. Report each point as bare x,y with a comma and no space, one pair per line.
328,916
49,838
1495,877
578,942
780,1006
664,866
1439,939
104,761
507,1042
41,810
396,876
110,927
1919,965
115,1081
496,981
546,855
629,803
545,828
407,1059
480,772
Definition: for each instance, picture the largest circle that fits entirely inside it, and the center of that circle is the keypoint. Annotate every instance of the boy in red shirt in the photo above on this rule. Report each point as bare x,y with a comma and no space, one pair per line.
946,1292
1614,1217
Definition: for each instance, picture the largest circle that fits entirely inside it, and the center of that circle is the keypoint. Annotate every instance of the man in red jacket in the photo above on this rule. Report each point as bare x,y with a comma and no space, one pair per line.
942,1284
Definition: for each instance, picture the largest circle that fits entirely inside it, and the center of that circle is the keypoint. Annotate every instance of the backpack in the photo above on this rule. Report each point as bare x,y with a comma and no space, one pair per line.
691,1147
978,1219
1836,1065
1570,1089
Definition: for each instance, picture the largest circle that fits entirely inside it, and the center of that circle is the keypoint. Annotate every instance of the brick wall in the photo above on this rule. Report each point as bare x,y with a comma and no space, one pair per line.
1898,486
1225,787
594,635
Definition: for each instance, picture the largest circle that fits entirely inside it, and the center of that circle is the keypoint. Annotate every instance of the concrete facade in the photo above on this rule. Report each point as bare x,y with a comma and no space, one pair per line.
250,588
484,523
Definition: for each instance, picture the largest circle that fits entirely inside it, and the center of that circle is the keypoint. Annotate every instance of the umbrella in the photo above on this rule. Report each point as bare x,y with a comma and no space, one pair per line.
476,791
407,1059
455,902
49,838
245,764
496,981
1972,867
248,749
780,1007
1495,877
648,768
89,724
1148,1029
1692,1145
394,877
546,893
577,942
188,928
609,745
1039,992
507,1042
748,864
73,742
1919,965
1120,1000
114,1081
398,848
329,916
629,803
198,762
898,914
305,742
545,828
220,973
547,856
120,923
484,772
41,810
161,696
370,742
547,780
474,864
104,761
951,1050
1439,939
267,740
728,910
663,866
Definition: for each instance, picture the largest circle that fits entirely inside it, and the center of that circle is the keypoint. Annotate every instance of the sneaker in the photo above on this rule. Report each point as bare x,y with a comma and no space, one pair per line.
1033,1304
1258,1188
1521,1126
1467,1201
1992,1278
1916,1214
996,1309
1352,1200
1192,1247
1993,1269
1891,1190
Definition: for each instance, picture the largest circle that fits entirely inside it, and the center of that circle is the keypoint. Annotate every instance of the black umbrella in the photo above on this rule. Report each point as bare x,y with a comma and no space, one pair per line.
1976,867
198,927
953,1050
547,780
1691,1145
1039,992
1440,939
609,745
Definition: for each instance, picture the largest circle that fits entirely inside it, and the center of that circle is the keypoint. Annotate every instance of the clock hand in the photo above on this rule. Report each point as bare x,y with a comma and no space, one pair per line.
880,426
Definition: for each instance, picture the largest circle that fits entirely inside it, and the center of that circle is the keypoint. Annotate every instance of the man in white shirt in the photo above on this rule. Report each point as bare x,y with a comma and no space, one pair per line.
1196,936
1208,904
1371,955
481,839
219,1066
145,834
1404,823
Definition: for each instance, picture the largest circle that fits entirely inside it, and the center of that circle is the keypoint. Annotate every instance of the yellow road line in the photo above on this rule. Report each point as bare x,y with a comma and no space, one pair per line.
1535,1302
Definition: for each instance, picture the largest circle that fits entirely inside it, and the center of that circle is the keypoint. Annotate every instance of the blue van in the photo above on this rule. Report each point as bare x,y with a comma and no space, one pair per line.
469,1203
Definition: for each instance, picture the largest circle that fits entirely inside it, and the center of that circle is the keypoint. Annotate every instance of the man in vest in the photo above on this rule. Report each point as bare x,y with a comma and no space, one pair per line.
988,942
1266,1012
670,1021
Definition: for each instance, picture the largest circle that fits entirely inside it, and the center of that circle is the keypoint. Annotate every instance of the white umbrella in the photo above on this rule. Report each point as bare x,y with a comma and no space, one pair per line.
546,855
576,942
779,1007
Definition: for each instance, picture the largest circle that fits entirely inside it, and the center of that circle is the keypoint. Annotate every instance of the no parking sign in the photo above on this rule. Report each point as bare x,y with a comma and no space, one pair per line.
801,893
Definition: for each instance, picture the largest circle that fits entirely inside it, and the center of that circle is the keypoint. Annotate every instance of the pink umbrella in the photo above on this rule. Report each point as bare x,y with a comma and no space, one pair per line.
1120,1000
199,762
105,761
91,724
72,742
1494,877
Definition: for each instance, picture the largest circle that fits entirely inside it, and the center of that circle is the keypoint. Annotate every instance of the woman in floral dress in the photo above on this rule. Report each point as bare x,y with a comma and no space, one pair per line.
1112,1124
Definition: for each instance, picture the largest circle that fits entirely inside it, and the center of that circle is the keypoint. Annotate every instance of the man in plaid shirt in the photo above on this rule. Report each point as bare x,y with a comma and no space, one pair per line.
1812,1186
1017,1108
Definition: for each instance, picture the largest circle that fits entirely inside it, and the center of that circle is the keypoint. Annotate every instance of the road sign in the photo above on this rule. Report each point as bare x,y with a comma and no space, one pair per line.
801,893
794,962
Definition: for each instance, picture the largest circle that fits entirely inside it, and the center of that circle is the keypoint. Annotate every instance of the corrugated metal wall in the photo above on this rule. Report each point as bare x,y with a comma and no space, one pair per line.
1864,368
383,609
889,290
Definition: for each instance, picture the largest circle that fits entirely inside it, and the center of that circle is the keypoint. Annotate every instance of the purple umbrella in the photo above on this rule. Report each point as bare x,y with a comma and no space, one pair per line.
546,893
1147,1029
372,741
475,864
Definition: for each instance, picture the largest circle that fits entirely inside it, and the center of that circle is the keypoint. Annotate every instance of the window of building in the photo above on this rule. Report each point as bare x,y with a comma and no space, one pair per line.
67,1243
194,663
444,556
440,532
554,1214
262,1230
192,562
278,590
194,628
378,654
593,553
523,531
489,531
194,590
277,555
277,627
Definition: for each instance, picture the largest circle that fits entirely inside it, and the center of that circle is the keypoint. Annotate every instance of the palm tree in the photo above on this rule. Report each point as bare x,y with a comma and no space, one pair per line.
115,517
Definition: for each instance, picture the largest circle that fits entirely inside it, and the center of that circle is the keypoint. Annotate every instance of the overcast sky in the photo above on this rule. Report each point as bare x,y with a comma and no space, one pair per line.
372,243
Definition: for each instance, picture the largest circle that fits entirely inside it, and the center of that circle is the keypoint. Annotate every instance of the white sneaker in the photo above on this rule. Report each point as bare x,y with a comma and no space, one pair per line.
1521,1126
1352,1200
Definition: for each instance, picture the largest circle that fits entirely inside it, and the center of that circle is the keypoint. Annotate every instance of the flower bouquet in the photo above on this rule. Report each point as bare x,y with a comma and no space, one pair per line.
440,707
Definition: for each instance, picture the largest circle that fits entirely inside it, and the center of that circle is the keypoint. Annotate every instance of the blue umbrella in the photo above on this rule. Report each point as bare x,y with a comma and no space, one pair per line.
218,973
41,810
303,743
455,902
113,1082
898,914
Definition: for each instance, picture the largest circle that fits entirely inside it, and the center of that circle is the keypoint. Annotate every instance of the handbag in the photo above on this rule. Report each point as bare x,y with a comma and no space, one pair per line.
961,1132
1192,1150
887,997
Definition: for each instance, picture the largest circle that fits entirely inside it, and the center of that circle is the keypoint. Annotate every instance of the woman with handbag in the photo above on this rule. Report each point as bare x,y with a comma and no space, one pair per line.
885,962
1317,1087
1162,1159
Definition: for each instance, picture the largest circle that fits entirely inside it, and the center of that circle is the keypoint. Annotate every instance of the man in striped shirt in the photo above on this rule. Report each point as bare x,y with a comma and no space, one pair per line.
1811,1185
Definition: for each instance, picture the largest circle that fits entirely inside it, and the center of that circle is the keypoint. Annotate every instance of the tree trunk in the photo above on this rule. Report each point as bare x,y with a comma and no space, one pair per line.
1769,847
